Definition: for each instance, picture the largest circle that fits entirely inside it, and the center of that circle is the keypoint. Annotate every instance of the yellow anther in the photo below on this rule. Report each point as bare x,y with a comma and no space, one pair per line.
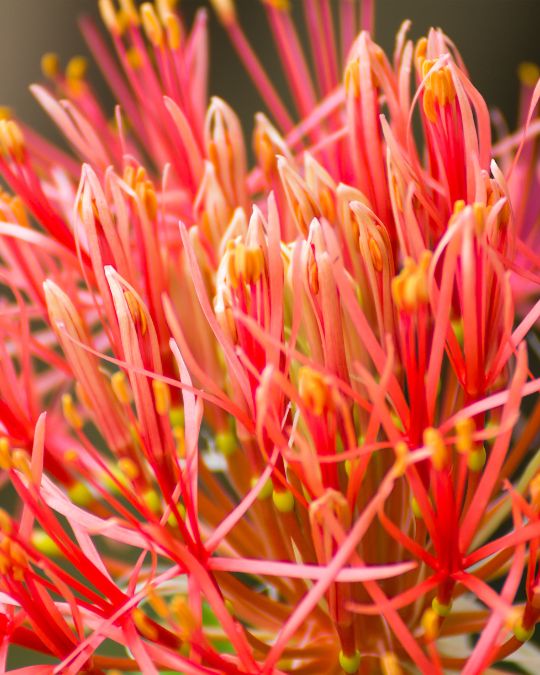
401,450
528,73
477,459
420,52
151,24
410,286
266,489
479,211
165,7
226,443
13,560
121,387
76,68
465,429
225,10
5,454
152,501
430,624
20,460
144,625
187,623
313,275
428,104
417,511
6,112
180,440
50,65
282,5
71,413
376,255
283,500
173,29
17,208
350,662
80,494
12,139
136,311
434,441
441,609
314,391
158,604
129,10
459,205
522,633
70,455
147,195
245,264
162,397
110,17
326,201
6,524
134,58
44,543
439,88
390,664
352,78
129,468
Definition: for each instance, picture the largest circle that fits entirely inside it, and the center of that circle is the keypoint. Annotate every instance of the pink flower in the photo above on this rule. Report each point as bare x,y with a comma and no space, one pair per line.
269,419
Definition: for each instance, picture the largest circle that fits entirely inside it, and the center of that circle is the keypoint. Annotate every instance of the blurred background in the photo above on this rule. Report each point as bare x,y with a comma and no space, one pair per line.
494,36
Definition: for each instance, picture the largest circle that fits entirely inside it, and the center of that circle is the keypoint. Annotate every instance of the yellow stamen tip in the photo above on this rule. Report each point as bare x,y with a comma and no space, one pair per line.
266,489
528,73
162,397
226,443
440,608
434,441
44,543
151,24
80,495
350,663
71,413
314,391
50,65
121,388
430,624
283,500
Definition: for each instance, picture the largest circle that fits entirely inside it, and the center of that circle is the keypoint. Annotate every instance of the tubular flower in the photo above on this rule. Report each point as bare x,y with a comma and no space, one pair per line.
278,418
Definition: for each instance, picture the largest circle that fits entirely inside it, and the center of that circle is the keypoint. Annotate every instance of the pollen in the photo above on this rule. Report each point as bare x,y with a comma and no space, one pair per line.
173,30
136,311
350,662
226,443
129,468
162,397
352,78
151,24
144,625
111,18
390,664
430,624
283,500
50,65
121,387
71,414
245,264
76,68
439,88
410,286
314,391
225,10
12,139
529,73
465,429
434,441
13,560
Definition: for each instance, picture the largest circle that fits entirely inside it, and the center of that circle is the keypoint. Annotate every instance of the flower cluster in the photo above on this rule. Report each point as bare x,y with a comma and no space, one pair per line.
276,419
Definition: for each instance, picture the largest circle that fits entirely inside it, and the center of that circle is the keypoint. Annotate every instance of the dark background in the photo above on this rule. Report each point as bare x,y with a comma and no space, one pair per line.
494,36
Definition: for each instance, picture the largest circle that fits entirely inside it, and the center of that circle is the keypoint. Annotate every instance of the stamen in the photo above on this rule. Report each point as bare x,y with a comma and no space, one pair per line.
162,397
314,391
151,24
433,440
71,413
350,663
50,65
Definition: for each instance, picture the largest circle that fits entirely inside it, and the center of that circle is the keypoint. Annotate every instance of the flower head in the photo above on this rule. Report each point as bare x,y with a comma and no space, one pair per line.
271,419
